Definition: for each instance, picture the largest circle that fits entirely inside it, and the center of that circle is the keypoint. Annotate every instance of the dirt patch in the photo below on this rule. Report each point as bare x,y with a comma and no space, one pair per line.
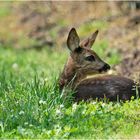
130,65
123,34
39,24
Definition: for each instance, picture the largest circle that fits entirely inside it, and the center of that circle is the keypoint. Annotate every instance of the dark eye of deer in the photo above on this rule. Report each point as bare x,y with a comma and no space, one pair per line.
90,58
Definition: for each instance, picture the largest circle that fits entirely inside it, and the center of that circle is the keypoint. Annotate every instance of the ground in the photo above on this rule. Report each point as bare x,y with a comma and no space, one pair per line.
32,54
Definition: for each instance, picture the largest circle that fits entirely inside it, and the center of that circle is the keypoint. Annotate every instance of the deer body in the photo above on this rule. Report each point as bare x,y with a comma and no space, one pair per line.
83,62
110,86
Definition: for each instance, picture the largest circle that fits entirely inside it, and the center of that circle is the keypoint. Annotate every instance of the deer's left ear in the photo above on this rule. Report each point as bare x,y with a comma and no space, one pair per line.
73,40
90,40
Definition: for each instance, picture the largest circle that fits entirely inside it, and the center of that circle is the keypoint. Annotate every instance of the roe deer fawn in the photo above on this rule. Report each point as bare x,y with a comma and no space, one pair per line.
83,62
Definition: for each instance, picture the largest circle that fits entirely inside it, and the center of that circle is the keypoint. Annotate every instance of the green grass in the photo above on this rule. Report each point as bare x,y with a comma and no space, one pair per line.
31,105
4,9
110,55
91,26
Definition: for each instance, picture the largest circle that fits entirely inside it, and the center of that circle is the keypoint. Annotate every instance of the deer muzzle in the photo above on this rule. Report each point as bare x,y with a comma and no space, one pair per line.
105,68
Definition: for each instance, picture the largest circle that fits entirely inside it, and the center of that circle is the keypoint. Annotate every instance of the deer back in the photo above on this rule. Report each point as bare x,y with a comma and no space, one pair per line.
110,86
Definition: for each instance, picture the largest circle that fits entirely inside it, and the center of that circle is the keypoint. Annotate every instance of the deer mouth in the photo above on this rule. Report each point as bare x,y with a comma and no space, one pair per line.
105,68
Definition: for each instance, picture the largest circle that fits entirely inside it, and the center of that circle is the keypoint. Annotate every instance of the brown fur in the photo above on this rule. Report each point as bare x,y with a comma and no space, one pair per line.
111,87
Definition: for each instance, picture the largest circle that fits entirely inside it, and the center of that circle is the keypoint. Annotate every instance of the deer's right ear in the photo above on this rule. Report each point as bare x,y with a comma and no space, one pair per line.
90,40
73,40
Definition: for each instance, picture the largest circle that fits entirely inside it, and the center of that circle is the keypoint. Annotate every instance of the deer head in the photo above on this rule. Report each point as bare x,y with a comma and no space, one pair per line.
83,57
82,61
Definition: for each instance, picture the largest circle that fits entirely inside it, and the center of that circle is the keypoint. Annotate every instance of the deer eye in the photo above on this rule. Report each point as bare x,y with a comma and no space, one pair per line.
90,58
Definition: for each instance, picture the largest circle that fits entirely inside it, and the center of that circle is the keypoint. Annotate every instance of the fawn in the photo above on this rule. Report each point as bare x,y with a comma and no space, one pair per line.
83,62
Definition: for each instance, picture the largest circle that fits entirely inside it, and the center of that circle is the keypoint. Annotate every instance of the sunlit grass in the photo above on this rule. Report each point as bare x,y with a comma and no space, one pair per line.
31,105
110,55
4,9
91,27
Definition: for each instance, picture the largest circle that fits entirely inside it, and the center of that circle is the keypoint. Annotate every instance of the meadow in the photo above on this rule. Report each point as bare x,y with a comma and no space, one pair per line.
31,105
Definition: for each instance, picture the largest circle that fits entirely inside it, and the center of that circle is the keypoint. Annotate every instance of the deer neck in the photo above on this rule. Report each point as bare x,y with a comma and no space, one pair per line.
70,76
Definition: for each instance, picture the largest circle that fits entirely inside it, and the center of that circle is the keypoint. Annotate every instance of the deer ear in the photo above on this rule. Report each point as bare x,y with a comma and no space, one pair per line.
73,40
90,40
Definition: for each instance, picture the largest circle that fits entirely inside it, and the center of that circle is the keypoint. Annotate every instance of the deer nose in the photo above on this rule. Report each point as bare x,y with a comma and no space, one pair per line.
106,67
